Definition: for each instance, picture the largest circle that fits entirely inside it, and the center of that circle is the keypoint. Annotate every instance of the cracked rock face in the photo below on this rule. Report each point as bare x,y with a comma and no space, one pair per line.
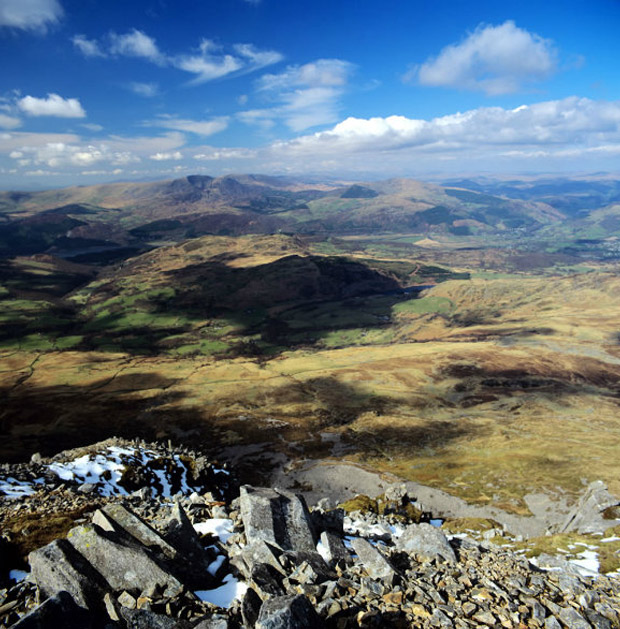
265,560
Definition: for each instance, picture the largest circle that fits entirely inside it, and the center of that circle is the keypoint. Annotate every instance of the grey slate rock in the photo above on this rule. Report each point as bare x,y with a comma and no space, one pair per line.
375,564
144,619
257,552
288,612
586,515
573,619
335,551
58,567
55,612
125,566
266,580
114,516
250,607
306,567
427,542
215,622
275,516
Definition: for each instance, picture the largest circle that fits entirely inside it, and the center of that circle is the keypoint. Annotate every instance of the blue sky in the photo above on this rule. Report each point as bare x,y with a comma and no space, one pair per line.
94,91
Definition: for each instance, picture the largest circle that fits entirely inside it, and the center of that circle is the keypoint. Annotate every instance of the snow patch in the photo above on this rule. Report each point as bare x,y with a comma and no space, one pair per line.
13,488
219,527
224,596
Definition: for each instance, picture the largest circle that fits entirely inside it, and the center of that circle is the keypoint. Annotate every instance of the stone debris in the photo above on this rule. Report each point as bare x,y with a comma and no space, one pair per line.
265,560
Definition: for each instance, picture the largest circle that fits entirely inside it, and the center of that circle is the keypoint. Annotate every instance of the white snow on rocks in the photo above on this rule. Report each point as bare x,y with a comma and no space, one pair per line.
226,594
13,488
219,527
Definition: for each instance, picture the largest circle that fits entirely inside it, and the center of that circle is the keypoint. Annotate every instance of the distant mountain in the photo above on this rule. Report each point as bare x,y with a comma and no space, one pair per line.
133,215
571,196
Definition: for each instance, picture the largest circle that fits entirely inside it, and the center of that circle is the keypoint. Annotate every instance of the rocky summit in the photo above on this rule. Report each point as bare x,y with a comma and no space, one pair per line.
128,534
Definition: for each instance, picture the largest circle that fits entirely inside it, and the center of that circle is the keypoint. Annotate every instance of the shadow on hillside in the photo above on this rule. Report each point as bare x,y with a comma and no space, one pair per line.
54,418
243,298
479,384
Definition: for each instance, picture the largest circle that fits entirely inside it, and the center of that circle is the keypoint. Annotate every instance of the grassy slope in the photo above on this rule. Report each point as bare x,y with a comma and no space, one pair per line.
486,388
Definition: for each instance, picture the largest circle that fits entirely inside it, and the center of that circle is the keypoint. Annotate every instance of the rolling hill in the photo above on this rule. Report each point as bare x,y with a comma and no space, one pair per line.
131,217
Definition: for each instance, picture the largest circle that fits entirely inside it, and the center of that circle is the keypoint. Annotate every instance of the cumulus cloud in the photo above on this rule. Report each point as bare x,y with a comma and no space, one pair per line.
53,105
88,47
199,127
493,59
305,96
550,125
572,132
9,122
30,14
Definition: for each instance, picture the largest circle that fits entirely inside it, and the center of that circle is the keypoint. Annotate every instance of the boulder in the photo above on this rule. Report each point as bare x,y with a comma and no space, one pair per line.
278,517
115,516
257,552
587,515
375,564
332,549
288,612
123,564
426,542
58,567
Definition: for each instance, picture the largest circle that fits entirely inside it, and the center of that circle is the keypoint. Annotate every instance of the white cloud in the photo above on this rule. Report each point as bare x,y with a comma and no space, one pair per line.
199,127
493,59
88,47
306,95
207,63
91,126
9,122
53,105
148,90
136,44
69,151
563,122
29,14
211,153
160,157
571,128
257,58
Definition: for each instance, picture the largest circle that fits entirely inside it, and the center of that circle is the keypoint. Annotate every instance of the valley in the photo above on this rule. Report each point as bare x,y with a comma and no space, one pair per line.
485,364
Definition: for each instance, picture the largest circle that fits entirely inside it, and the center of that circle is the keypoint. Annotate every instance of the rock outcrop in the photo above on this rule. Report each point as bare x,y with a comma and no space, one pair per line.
266,560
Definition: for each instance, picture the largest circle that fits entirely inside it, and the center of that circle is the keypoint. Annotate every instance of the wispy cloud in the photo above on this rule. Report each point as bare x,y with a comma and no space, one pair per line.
305,96
148,90
199,127
135,43
88,47
53,105
493,59
9,122
207,62
34,15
